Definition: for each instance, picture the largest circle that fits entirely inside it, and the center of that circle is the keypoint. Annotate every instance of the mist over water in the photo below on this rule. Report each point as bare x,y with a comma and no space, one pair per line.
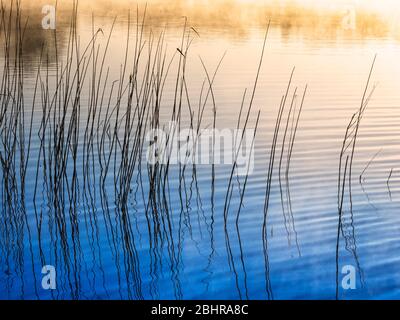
324,18
115,227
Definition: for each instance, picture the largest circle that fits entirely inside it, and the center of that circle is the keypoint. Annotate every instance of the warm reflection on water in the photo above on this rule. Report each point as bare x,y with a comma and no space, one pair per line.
116,229
235,17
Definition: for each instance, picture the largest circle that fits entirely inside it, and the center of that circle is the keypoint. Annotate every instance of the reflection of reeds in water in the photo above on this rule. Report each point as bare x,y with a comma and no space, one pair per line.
91,132
283,187
90,148
346,225
34,36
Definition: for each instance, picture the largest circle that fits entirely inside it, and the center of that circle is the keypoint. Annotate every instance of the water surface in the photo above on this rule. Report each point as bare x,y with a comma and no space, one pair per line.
103,251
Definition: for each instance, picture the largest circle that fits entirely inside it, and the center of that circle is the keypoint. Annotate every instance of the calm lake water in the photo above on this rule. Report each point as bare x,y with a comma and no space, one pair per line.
101,251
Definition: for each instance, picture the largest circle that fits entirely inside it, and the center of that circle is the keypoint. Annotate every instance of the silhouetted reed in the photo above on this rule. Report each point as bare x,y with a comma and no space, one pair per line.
346,222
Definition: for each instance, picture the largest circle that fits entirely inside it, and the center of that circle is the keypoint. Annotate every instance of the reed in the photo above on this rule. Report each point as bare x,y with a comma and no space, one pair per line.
346,225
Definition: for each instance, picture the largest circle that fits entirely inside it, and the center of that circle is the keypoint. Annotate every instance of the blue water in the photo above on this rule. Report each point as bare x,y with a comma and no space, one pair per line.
101,250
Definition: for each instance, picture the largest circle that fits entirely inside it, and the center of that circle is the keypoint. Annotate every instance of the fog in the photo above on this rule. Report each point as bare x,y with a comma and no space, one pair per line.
371,17
316,18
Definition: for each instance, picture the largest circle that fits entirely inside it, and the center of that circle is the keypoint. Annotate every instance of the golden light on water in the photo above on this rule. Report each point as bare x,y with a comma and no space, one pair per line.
371,17
240,10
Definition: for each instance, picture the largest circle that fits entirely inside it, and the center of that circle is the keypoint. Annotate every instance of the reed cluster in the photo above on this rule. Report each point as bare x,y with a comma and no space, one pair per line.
79,140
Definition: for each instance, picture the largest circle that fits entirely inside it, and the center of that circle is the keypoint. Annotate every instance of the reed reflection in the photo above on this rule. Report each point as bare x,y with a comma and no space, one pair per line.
78,192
